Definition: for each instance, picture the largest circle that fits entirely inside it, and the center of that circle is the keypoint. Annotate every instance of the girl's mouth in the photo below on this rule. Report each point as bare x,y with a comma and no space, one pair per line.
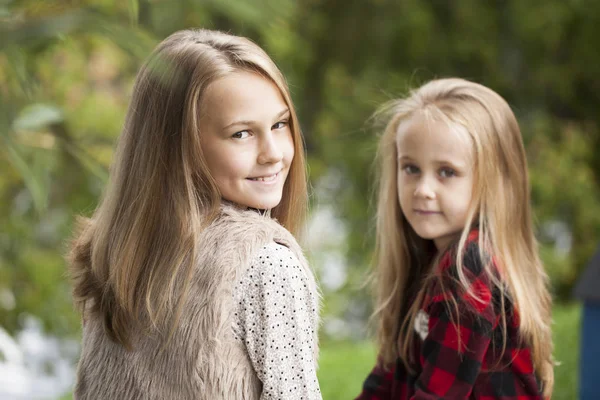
426,212
266,179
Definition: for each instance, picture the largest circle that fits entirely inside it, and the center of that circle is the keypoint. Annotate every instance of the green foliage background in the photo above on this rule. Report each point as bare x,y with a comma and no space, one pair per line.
67,68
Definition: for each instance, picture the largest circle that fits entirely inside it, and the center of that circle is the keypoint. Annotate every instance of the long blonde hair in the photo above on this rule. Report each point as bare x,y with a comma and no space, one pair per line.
501,208
142,239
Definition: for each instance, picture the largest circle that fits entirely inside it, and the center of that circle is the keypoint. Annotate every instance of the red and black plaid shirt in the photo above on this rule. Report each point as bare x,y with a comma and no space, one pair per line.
476,369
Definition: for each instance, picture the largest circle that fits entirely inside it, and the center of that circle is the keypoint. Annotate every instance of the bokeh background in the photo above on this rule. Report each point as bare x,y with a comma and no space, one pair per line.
66,73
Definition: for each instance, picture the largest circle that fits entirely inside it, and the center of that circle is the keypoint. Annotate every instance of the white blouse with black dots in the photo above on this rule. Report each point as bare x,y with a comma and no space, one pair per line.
276,318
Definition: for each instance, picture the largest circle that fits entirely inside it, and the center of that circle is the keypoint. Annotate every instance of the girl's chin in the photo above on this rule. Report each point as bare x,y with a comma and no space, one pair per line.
260,203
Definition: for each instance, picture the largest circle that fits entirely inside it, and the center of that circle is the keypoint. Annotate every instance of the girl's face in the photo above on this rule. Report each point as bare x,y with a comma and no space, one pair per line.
435,177
246,139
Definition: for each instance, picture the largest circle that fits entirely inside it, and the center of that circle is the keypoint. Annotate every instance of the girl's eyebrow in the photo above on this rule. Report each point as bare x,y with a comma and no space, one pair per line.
282,113
454,163
250,122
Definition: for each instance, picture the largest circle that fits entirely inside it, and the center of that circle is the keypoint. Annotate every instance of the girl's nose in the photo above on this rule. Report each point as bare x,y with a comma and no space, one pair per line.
270,150
425,189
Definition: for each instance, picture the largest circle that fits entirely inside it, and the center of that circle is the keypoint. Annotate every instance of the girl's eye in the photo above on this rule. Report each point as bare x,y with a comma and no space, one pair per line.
447,172
280,125
410,169
241,135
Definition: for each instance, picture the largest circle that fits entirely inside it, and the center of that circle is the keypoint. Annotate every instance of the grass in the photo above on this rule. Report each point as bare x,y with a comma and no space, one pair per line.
566,333
343,366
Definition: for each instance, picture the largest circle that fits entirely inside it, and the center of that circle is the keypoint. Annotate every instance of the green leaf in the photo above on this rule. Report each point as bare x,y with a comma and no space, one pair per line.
33,182
134,9
37,116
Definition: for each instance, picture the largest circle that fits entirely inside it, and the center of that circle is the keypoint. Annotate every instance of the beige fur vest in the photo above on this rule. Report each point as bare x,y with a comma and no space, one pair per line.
202,360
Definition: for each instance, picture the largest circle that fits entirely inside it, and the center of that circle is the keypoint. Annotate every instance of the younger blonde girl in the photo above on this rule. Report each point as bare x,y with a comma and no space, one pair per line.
462,297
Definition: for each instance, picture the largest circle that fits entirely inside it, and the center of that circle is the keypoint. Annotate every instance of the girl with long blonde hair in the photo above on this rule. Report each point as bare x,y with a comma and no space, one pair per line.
462,299
190,282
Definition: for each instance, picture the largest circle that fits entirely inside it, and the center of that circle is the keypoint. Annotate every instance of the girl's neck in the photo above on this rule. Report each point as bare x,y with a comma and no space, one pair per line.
265,212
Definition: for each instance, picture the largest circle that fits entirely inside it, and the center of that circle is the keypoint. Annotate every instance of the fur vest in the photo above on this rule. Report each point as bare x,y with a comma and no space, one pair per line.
202,360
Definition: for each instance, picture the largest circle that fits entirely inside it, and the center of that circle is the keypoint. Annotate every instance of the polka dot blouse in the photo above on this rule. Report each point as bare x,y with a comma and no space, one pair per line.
276,318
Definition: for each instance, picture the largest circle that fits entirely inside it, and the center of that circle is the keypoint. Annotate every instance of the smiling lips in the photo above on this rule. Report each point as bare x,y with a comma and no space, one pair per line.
266,178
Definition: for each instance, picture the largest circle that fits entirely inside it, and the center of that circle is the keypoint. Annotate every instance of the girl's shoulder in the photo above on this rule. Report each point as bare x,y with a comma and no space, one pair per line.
471,280
276,252
276,259
244,228
247,219
474,262
236,237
